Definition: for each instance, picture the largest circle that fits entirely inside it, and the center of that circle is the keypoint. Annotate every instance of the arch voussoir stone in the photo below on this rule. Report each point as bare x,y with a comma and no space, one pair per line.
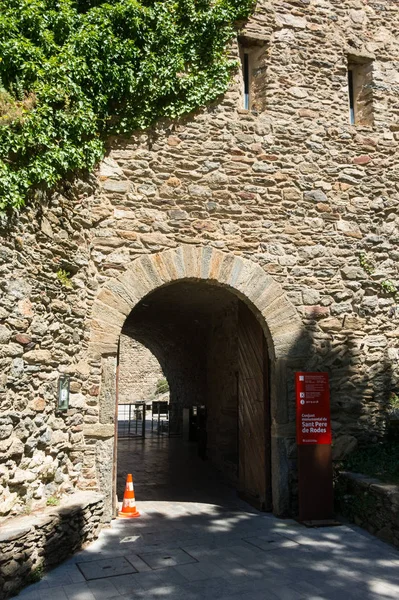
107,314
237,269
165,265
192,261
256,285
216,261
271,292
226,268
123,292
241,274
206,261
151,272
113,300
278,312
178,263
135,279
104,338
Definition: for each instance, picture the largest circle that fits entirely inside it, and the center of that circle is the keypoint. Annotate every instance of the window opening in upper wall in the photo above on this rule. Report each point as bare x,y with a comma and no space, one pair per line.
360,90
245,67
254,61
351,97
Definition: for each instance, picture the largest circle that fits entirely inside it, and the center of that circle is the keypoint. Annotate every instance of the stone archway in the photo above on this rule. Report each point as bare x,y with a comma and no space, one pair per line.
266,298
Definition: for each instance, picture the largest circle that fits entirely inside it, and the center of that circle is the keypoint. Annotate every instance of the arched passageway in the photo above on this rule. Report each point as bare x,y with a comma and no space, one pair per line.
173,302
214,354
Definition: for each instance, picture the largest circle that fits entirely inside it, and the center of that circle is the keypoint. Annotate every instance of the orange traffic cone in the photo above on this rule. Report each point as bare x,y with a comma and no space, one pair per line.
129,509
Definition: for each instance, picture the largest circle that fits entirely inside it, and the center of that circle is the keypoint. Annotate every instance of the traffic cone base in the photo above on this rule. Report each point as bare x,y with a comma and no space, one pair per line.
129,510
126,515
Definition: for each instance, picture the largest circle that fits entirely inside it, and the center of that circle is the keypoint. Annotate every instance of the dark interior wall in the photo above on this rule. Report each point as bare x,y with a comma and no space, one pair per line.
221,398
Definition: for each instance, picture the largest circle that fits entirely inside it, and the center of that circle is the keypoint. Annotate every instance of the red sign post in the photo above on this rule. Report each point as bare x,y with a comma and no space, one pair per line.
313,433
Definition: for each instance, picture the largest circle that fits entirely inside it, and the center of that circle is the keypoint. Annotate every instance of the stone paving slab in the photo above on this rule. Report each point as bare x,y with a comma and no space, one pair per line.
221,553
106,568
160,560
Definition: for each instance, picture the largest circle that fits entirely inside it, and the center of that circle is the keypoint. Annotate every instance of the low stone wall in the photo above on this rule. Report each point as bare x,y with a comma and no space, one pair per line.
369,503
32,544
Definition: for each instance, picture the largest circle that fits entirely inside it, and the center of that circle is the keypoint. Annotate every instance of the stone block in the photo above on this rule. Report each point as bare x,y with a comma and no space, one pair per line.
272,291
104,333
241,272
116,187
178,263
280,312
205,260
118,296
257,285
38,404
5,334
192,262
136,282
98,349
226,268
99,431
109,168
316,196
164,265
108,314
289,20
215,263
108,389
149,267
157,239
43,357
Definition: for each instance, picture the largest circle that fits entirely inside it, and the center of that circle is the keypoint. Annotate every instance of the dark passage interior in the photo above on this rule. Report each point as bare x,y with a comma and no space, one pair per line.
213,353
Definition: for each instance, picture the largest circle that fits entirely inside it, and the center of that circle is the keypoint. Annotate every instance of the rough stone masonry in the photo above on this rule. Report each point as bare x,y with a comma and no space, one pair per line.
139,372
289,185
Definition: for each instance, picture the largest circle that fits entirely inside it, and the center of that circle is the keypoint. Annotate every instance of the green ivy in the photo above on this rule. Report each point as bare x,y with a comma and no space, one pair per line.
387,286
73,72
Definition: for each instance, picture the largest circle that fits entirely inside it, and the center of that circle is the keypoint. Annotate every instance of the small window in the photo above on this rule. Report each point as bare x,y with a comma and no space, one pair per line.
245,73
360,90
254,62
351,97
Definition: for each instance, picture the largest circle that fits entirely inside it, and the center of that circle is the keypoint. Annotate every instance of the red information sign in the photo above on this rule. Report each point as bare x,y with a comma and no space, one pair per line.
313,425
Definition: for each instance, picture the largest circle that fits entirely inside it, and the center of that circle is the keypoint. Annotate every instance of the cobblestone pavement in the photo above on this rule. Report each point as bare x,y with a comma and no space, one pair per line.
195,540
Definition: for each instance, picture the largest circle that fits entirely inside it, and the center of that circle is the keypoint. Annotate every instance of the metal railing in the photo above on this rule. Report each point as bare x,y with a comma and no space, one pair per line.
131,420
160,415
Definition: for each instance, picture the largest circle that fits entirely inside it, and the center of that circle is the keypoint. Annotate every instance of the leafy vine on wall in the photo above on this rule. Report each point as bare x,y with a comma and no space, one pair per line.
387,286
73,72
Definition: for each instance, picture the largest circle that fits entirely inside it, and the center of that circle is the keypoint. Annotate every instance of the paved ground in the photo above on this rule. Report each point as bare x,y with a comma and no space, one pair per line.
196,541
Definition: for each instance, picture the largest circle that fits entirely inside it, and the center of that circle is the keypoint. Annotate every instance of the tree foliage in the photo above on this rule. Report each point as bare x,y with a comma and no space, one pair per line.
74,71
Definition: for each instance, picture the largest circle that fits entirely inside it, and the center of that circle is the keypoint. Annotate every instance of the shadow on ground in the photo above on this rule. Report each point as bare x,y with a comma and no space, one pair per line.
193,551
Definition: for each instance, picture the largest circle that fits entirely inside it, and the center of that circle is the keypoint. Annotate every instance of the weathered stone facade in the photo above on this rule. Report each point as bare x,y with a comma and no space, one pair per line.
30,545
139,372
273,204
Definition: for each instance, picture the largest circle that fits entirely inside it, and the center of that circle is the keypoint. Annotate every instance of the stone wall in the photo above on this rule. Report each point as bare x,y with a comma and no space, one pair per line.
139,372
293,187
369,503
31,545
